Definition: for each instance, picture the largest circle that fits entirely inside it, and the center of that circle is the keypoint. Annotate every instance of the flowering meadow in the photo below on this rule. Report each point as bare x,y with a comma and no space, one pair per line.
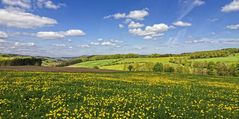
117,95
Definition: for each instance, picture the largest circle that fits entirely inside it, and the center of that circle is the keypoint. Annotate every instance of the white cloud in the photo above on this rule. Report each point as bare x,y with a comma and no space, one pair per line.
200,41
48,4
198,2
233,6
135,14
95,43
60,45
84,46
60,35
25,4
74,32
108,43
138,14
214,41
19,19
133,24
24,44
28,4
3,35
117,16
150,32
103,42
182,24
121,26
233,27
50,35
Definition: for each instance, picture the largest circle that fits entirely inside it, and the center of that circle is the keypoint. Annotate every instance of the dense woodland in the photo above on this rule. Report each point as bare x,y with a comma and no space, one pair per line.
14,60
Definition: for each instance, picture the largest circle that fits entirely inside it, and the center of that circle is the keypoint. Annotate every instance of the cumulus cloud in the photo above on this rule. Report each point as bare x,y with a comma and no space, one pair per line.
28,4
135,14
182,24
231,7
74,32
20,19
30,44
3,35
138,14
61,34
233,27
24,4
150,32
103,42
50,35
48,4
198,2
133,24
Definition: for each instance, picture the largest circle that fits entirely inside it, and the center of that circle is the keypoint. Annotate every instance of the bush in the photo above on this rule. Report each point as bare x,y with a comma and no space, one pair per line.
158,67
168,68
130,67
96,67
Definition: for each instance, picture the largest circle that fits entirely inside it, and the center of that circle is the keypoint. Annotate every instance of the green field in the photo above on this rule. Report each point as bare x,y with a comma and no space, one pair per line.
117,95
99,63
229,60
118,64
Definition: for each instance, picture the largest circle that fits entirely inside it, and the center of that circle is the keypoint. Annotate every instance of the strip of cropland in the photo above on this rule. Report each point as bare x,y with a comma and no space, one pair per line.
52,69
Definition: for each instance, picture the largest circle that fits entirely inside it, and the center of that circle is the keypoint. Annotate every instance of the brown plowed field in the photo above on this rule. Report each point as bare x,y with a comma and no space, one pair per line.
53,69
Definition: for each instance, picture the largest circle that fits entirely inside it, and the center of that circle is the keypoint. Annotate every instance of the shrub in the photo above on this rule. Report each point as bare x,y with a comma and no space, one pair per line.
130,67
168,68
158,67
96,67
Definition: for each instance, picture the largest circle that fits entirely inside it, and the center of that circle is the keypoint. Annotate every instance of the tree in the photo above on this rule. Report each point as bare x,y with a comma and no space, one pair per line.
222,69
168,68
130,67
96,67
158,67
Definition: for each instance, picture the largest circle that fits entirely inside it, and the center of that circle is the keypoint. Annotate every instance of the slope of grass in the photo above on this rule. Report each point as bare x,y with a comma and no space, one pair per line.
117,95
99,63
229,59
118,64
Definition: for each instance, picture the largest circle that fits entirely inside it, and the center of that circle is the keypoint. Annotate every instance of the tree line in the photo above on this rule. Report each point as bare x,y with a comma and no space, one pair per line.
21,61
209,68
214,53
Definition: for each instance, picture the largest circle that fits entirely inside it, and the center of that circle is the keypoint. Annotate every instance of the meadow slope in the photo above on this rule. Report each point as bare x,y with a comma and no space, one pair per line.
117,95
119,64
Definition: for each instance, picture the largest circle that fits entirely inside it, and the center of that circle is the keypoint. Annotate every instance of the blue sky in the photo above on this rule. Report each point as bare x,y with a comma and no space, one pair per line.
85,27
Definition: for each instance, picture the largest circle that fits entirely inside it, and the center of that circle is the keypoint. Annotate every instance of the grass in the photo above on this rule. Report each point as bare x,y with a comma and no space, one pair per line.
229,59
92,64
118,64
117,95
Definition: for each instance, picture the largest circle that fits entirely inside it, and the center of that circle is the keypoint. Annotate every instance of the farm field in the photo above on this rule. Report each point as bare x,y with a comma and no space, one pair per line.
230,59
118,64
117,95
52,69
